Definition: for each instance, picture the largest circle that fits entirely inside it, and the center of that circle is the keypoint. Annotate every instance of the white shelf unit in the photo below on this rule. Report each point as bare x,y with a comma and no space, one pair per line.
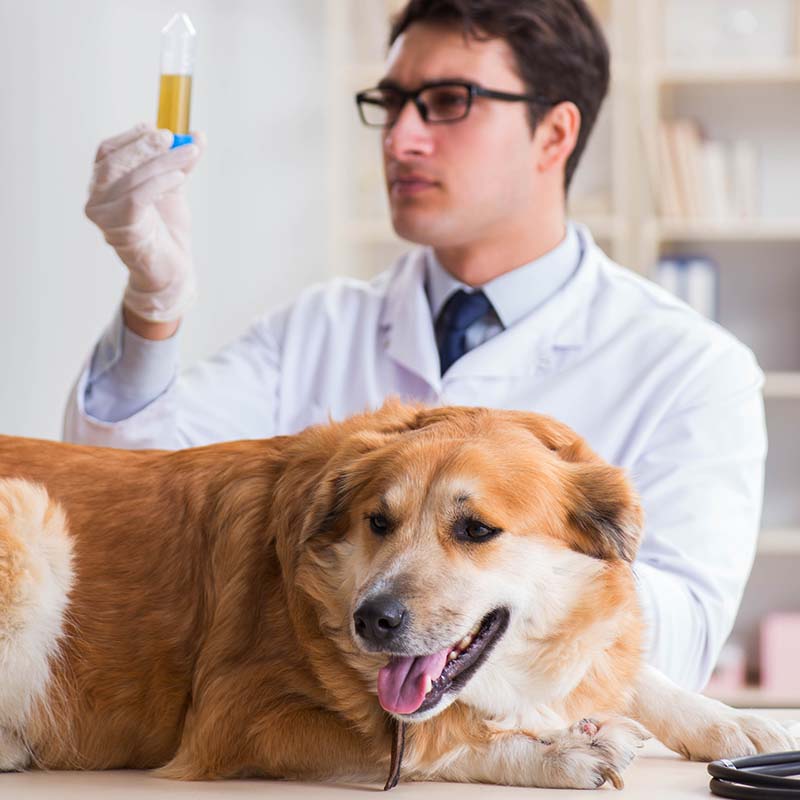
786,71
613,193
758,263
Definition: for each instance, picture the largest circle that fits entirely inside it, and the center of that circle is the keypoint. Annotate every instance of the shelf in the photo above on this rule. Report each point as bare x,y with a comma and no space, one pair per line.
782,385
779,541
713,75
754,697
756,230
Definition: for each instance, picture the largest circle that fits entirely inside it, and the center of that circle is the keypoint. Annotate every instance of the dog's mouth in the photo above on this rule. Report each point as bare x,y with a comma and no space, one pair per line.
414,684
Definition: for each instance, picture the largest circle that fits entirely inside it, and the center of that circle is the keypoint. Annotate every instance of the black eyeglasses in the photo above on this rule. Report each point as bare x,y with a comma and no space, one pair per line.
438,102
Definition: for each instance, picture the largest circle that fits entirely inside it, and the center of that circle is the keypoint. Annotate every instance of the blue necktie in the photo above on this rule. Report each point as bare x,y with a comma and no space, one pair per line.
460,311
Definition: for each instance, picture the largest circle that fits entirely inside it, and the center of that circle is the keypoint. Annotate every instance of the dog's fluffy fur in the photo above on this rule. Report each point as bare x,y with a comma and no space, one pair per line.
193,611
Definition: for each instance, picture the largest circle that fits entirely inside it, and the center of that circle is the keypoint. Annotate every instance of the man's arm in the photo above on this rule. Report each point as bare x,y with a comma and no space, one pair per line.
127,372
701,478
137,201
154,331
131,395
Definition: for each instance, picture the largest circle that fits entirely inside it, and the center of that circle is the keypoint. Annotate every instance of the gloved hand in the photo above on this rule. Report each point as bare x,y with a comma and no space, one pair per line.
136,198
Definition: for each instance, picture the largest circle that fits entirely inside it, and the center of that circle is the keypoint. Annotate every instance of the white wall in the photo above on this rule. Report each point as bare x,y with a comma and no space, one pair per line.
73,72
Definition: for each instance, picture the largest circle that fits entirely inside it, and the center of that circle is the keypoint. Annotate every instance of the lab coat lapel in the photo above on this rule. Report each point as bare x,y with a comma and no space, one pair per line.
521,350
561,323
406,323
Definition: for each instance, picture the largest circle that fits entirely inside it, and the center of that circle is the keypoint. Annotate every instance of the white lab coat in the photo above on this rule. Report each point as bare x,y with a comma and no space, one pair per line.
651,385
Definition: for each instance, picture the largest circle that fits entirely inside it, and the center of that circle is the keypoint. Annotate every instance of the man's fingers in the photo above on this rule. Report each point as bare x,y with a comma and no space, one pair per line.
200,140
148,192
108,146
147,145
182,158
116,216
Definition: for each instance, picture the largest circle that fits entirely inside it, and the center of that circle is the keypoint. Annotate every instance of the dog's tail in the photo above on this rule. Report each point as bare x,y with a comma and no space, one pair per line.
36,575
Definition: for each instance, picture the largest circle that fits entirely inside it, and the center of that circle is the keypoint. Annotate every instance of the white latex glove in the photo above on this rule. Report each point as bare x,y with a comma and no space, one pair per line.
136,198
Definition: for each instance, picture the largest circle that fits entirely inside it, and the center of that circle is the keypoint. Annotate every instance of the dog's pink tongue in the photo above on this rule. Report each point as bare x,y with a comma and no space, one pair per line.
401,683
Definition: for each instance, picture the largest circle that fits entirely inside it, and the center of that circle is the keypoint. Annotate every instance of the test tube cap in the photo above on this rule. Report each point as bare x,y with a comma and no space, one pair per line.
181,138
178,38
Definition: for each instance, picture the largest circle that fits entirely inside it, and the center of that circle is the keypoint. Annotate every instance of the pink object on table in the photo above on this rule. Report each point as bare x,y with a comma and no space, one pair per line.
780,652
729,672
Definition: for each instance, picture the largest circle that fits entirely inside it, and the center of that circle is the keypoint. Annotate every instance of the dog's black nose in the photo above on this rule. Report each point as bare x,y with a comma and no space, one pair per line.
380,619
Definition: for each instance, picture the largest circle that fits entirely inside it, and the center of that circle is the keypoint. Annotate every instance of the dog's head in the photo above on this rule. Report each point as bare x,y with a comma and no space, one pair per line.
440,537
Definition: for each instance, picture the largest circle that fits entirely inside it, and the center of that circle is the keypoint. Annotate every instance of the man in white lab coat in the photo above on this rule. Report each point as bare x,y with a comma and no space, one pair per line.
506,304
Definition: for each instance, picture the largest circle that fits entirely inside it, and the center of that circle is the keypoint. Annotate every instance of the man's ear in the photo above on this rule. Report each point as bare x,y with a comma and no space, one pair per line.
604,516
558,135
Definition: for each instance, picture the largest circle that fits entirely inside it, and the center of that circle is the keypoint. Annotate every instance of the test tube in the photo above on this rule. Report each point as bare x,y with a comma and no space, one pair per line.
177,66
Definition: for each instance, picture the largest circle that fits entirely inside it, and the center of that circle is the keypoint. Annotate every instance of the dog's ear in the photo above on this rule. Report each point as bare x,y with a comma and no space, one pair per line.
347,472
556,436
340,464
604,516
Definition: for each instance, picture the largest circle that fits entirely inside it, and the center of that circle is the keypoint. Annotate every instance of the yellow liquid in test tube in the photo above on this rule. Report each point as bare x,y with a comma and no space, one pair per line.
177,66
174,102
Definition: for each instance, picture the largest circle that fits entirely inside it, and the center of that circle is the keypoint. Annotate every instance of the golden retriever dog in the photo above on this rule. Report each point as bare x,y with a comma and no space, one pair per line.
433,594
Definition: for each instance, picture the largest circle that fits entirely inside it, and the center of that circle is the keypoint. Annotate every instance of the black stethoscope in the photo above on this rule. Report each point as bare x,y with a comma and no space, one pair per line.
757,777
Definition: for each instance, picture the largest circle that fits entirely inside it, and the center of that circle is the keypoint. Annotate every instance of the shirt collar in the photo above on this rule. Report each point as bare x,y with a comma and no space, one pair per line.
517,292
561,322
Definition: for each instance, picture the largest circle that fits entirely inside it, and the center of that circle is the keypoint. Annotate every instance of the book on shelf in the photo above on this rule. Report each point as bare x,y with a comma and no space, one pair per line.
666,176
693,279
687,166
744,175
698,178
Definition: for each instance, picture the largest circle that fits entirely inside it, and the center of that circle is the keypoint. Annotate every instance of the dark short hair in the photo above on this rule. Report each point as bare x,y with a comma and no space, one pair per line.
560,50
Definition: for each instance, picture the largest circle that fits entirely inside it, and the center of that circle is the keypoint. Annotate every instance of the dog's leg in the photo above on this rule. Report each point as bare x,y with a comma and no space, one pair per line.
14,756
582,756
699,728
35,577
276,740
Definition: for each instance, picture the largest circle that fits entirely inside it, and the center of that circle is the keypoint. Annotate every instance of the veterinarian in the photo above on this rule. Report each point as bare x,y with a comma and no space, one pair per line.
505,303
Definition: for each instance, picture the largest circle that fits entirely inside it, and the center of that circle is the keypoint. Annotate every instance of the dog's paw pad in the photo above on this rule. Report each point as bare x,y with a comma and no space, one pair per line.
586,726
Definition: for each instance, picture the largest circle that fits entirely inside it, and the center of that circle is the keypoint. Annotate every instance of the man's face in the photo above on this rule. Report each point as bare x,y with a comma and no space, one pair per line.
476,179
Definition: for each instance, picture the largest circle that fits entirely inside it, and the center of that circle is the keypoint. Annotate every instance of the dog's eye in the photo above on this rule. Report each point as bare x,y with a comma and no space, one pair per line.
476,531
379,524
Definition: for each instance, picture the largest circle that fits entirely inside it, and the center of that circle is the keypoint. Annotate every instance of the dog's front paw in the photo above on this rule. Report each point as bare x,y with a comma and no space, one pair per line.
733,735
589,753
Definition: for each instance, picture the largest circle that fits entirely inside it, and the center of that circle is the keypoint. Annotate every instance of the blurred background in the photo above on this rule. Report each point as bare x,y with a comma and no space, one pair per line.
691,178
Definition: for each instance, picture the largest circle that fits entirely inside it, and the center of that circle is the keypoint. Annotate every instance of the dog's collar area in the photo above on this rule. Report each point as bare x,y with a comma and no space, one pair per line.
756,777
398,747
